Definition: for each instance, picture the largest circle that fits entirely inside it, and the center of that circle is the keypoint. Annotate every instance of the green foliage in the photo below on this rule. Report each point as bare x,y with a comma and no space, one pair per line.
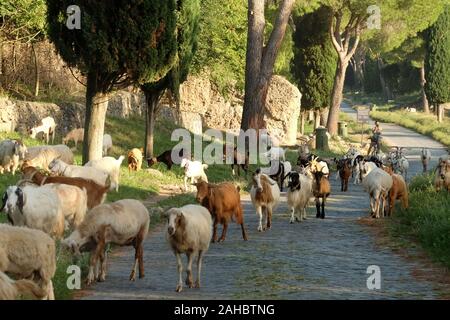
122,40
222,43
427,220
437,60
315,59
402,77
371,76
22,19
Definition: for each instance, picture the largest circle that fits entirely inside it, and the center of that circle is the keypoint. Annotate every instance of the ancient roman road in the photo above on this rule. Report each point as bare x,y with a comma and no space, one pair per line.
315,259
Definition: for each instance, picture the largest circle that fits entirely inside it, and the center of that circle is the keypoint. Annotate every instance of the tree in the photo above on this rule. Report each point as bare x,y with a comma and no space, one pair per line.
260,59
187,33
314,61
119,43
437,63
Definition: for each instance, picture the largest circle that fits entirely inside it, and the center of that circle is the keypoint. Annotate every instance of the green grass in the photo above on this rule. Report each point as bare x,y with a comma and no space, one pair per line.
427,221
418,121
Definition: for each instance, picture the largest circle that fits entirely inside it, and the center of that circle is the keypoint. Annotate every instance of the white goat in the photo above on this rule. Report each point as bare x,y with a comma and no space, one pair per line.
299,194
193,170
189,232
61,168
11,153
110,166
377,183
124,222
107,143
264,193
401,166
28,253
426,158
34,207
41,156
47,127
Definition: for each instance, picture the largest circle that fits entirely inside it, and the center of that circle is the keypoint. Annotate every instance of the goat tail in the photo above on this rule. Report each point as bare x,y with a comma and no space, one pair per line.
405,201
28,287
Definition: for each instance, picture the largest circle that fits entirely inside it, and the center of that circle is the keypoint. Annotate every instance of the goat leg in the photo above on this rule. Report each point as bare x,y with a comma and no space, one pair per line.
323,207
317,208
199,268
189,281
214,237
224,231
180,271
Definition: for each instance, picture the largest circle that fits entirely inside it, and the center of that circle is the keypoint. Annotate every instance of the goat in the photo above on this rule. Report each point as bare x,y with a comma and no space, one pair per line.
299,193
377,183
109,166
425,158
189,231
124,222
224,203
10,289
239,160
165,157
321,188
41,156
106,144
61,168
74,135
276,153
11,153
442,176
345,172
96,194
401,165
193,170
398,191
47,127
34,207
265,194
135,157
28,253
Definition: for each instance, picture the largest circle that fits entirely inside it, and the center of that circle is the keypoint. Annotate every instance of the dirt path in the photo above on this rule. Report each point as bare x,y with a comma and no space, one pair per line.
316,259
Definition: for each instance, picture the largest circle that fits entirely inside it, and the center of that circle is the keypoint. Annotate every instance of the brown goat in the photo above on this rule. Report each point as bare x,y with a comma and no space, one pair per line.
135,157
224,203
442,178
96,193
321,189
345,172
398,191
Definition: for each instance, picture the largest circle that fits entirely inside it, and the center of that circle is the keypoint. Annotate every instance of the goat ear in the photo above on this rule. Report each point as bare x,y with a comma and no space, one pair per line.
21,199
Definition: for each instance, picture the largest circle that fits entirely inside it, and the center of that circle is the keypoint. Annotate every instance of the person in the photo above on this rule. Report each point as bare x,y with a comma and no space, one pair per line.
376,137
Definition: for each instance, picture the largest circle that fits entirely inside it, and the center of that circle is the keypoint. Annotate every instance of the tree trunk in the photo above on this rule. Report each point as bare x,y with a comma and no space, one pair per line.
94,125
440,112
336,97
260,60
324,116
316,118
152,98
302,122
36,71
387,93
425,105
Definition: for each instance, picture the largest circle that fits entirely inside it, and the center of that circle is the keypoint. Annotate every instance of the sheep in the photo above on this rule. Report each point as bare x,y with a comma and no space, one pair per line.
60,168
224,203
11,153
28,253
264,193
426,158
189,232
193,170
34,207
399,190
110,166
47,127
41,156
135,157
10,289
442,176
74,135
377,183
299,194
96,194
107,144
124,222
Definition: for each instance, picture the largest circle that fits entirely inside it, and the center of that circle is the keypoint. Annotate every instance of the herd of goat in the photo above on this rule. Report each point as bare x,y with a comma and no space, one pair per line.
54,196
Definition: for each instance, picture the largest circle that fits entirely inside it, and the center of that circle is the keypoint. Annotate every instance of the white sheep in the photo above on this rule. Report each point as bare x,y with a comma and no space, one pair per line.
10,289
61,168
110,166
28,253
73,202
74,135
193,170
41,156
107,143
34,207
377,183
124,222
300,192
189,231
46,127
11,153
